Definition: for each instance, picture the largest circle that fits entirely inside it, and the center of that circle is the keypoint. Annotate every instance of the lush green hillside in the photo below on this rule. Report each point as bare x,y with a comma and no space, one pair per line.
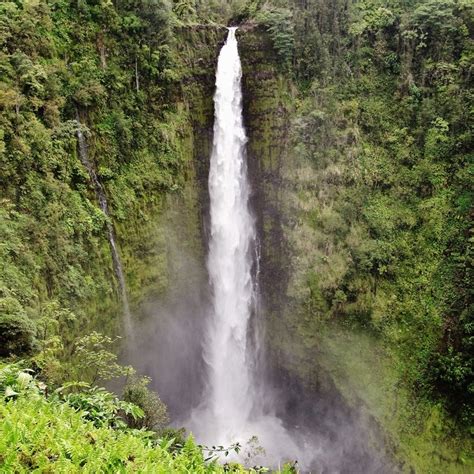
61,61
374,199
360,125
117,72
388,129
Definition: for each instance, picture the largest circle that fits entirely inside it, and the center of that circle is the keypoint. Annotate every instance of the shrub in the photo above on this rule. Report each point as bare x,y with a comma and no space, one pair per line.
17,332
14,380
155,416
94,361
103,408
280,27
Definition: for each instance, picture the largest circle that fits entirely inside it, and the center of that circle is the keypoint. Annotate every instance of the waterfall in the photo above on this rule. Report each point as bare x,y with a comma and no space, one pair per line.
232,409
100,193
231,243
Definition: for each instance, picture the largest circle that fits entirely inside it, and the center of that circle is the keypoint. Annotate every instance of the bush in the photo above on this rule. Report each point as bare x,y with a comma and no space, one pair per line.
14,380
278,23
17,332
94,361
103,408
155,414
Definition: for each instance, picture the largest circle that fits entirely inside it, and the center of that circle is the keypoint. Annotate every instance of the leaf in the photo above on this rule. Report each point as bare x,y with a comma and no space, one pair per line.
24,379
166,444
71,384
9,392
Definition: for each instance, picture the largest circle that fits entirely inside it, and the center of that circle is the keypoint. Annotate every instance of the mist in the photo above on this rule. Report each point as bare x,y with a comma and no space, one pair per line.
167,335
313,425
202,342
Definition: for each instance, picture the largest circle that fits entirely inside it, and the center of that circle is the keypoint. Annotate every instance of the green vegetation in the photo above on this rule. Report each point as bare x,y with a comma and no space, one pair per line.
377,212
61,61
391,143
277,21
371,103
84,431
115,71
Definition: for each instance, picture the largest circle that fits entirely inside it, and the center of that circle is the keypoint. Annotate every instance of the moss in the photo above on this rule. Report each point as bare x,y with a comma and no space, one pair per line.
422,435
303,265
267,106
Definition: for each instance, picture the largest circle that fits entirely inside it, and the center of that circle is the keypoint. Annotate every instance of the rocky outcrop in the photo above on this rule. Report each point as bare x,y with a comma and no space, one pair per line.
267,107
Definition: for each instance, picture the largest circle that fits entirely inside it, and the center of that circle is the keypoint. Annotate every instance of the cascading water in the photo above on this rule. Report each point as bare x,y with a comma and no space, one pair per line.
230,252
99,191
232,410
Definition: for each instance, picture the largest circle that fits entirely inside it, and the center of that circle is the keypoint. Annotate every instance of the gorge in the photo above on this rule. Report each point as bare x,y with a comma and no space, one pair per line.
312,295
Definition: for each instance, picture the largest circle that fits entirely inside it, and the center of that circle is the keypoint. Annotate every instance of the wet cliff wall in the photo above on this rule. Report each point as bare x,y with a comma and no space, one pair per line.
332,321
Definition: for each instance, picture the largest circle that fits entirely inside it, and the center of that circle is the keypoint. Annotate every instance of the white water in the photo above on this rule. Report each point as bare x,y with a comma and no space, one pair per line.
232,409
230,253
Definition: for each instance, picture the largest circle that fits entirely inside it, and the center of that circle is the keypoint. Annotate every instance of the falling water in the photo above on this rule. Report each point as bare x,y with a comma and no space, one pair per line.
230,252
232,410
99,191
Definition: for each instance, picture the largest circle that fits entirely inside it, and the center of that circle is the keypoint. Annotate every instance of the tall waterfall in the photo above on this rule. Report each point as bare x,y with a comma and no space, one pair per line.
232,410
230,252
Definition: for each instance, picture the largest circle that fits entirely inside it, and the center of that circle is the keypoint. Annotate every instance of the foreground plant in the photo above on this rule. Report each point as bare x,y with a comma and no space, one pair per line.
77,428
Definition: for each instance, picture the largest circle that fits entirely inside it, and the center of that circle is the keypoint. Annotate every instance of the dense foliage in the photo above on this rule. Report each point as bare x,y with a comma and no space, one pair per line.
376,204
84,431
104,65
386,120
381,217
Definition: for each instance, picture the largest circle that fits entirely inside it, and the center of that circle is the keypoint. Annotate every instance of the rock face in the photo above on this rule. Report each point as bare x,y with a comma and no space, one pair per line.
201,48
171,332
267,104
268,111
305,393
